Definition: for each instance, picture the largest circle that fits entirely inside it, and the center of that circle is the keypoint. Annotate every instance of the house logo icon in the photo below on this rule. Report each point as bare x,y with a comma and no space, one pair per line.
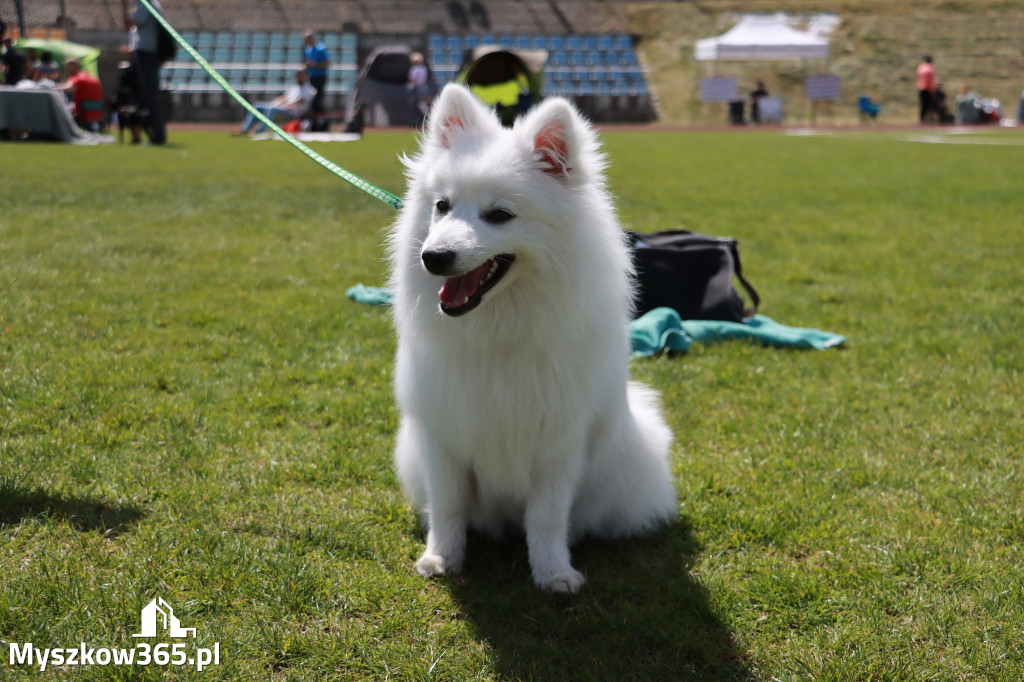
159,613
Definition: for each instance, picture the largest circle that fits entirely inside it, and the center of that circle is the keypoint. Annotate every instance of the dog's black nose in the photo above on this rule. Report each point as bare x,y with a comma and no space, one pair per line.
438,262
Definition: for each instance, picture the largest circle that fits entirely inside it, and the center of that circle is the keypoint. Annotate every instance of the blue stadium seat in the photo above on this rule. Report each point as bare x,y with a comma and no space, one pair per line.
242,40
471,41
453,43
556,43
278,77
276,55
278,40
605,42
241,54
332,40
190,37
623,42
224,40
221,54
435,42
204,40
572,43
349,41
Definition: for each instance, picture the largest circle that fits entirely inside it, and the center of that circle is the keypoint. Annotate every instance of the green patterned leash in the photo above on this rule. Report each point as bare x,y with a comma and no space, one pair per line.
374,191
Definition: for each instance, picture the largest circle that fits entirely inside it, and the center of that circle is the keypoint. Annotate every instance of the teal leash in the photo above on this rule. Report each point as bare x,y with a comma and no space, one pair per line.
374,191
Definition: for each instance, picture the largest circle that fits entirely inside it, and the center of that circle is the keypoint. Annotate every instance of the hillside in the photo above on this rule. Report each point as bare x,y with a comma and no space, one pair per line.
875,49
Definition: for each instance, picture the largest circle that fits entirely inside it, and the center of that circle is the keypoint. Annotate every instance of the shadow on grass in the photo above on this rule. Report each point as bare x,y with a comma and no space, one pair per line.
19,503
641,616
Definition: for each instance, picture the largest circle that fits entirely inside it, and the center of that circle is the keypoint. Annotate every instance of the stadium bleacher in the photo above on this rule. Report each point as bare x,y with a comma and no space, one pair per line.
577,64
259,63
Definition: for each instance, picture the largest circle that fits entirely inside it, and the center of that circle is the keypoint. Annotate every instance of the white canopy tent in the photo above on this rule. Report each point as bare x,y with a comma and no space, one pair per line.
762,38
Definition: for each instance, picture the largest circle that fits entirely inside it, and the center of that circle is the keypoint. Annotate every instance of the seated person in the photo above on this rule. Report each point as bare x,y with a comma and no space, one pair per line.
293,103
86,93
48,69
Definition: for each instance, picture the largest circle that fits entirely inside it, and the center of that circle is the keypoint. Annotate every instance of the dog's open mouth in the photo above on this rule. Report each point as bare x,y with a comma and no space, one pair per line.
461,294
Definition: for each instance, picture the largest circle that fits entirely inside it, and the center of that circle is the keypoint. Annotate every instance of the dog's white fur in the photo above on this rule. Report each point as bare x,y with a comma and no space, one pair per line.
520,411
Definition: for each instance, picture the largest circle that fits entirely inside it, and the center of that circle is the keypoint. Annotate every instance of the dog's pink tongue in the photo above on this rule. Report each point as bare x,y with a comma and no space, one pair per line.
456,290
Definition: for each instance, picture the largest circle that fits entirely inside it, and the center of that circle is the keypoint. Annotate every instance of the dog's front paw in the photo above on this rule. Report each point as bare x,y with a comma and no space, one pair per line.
562,582
430,565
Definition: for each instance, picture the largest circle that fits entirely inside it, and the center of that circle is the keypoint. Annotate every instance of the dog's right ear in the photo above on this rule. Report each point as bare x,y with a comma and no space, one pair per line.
454,112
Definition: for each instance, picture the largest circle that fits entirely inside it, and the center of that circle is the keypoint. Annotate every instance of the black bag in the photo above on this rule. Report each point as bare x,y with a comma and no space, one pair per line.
166,47
692,273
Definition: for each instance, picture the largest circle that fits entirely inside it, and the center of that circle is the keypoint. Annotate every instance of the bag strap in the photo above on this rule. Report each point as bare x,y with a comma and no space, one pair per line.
751,291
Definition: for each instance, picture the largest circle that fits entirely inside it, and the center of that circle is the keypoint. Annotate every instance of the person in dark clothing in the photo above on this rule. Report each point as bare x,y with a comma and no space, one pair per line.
755,97
13,63
144,41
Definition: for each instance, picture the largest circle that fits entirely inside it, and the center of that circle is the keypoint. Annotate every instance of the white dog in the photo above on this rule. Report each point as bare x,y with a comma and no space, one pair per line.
513,288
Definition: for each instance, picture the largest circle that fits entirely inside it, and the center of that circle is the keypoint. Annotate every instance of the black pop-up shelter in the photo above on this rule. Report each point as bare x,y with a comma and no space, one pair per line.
382,90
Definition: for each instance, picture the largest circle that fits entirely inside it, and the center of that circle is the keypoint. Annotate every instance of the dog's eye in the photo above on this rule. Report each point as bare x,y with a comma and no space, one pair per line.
443,206
498,216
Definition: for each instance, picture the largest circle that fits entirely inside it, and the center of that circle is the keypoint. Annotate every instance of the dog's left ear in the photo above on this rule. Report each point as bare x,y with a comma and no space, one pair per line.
553,129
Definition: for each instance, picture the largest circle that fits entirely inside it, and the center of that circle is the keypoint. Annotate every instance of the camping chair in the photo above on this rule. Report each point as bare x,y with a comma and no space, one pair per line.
867,109
93,105
769,110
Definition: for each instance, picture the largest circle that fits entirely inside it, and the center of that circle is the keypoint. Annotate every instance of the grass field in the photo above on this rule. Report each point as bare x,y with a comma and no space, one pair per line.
191,409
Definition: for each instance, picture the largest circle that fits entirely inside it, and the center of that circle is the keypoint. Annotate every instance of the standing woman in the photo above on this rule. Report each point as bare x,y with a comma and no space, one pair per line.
143,42
925,88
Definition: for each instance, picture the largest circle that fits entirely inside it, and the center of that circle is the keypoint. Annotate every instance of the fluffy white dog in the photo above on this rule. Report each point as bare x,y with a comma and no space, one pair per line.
513,291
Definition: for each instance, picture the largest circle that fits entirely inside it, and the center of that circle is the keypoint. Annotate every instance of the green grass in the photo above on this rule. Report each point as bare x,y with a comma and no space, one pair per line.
191,408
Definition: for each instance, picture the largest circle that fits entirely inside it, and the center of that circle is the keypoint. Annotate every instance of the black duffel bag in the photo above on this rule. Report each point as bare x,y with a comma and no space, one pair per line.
692,273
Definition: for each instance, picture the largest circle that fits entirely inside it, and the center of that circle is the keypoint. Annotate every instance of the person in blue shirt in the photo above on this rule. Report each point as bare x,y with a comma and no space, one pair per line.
318,61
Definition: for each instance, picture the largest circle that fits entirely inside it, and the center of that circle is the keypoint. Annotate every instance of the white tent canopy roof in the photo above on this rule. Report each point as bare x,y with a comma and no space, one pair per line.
762,37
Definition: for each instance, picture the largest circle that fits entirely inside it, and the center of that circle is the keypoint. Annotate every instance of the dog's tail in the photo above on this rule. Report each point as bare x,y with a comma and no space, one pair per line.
629,488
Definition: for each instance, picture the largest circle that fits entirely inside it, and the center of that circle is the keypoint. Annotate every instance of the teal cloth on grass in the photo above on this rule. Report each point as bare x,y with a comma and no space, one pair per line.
371,295
662,329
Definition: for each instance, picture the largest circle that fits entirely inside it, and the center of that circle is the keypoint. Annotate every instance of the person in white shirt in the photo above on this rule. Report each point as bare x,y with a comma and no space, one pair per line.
418,83
292,103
